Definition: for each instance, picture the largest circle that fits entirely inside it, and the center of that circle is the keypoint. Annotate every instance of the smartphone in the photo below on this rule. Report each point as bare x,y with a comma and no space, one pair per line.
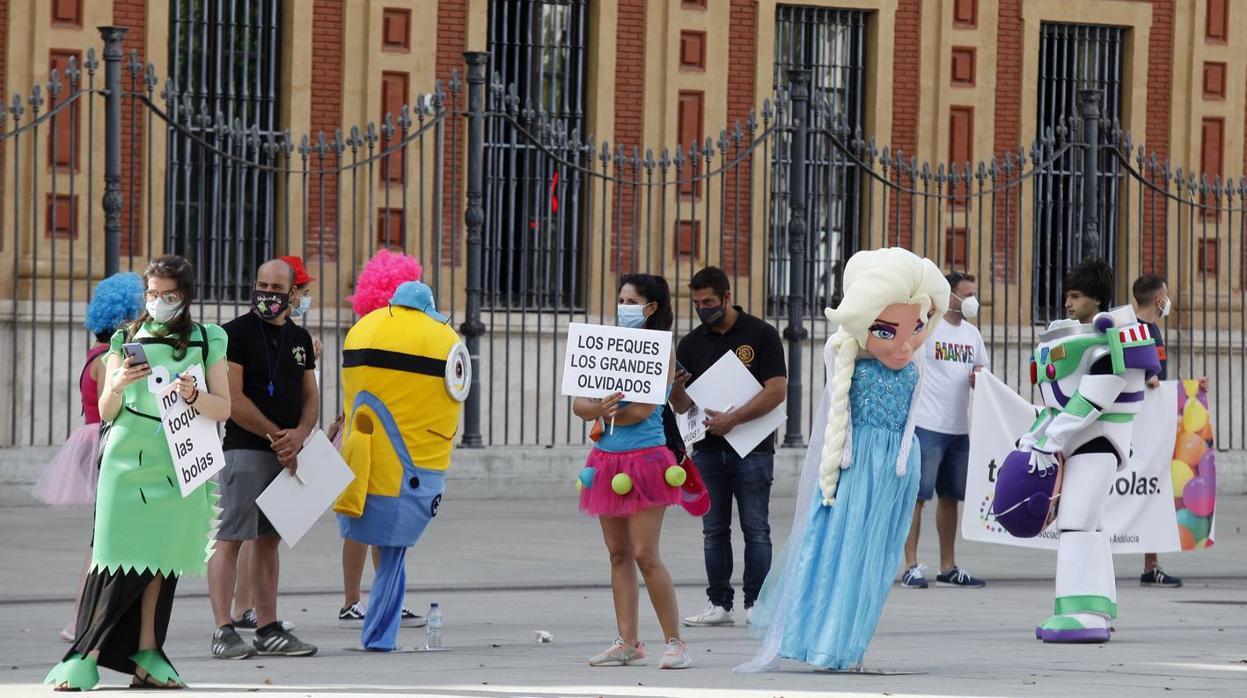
134,350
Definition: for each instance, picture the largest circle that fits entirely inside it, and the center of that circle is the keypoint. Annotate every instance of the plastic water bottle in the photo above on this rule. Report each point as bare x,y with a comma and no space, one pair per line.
433,628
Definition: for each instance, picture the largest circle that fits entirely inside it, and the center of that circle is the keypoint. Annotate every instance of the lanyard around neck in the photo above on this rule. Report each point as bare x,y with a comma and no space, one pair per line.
271,362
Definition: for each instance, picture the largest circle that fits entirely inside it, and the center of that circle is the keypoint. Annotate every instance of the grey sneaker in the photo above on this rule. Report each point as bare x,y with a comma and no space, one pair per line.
274,640
226,644
620,654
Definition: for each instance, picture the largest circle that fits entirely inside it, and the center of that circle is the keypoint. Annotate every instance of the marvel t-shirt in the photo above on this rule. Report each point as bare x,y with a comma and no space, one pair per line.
949,357
274,355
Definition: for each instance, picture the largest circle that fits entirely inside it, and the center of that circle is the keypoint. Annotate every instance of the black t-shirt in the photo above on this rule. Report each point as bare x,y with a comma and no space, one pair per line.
1154,329
757,345
268,354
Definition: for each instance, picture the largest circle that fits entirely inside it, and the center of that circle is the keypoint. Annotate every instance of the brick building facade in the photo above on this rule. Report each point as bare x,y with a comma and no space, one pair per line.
945,80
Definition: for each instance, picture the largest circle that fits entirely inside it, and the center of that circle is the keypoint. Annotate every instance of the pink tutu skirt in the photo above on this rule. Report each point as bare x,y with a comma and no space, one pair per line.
645,472
69,479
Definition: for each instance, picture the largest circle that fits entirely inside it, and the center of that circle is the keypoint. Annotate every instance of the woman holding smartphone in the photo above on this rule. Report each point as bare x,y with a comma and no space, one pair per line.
147,535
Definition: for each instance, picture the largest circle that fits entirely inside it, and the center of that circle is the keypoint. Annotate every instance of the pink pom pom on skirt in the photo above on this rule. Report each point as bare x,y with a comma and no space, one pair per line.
69,479
647,470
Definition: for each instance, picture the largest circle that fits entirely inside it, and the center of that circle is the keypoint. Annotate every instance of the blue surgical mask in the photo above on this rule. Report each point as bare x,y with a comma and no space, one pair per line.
630,316
305,304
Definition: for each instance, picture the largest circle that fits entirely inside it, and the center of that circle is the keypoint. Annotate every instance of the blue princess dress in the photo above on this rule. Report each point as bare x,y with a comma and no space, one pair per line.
821,604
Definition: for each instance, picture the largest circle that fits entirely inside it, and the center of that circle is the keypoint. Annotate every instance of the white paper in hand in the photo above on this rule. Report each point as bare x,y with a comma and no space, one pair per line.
692,425
728,385
292,506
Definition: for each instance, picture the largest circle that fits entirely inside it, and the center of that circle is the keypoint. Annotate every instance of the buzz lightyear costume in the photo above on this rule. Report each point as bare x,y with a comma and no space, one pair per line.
144,527
1092,378
405,375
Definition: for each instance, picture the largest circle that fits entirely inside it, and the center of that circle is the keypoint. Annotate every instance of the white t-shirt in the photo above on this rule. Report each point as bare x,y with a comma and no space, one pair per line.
949,357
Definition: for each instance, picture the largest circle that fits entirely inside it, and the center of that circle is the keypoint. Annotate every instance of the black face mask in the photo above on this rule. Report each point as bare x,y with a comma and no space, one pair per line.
713,317
269,305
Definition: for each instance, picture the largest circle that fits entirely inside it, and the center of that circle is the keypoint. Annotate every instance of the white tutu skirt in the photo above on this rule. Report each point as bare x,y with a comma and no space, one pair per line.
69,479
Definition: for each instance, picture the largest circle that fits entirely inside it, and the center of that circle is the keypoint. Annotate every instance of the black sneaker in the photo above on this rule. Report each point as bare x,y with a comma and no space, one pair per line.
411,620
226,644
274,640
1156,577
352,616
957,577
249,620
913,578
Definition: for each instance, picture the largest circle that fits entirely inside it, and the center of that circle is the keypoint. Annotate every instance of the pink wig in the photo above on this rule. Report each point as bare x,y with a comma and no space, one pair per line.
381,276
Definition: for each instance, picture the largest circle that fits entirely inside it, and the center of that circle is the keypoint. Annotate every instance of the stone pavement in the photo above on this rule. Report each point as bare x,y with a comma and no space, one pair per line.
502,569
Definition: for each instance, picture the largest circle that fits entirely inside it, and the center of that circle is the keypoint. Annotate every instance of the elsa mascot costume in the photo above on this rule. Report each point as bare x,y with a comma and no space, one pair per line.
822,601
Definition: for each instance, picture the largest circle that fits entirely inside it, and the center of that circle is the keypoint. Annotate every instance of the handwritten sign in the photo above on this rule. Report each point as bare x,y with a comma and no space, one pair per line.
602,360
692,425
193,439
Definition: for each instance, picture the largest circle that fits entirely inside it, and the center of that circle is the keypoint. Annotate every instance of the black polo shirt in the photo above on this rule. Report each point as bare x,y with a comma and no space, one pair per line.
267,353
758,346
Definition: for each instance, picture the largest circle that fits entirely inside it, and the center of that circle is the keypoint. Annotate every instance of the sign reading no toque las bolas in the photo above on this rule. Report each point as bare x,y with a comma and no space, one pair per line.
193,440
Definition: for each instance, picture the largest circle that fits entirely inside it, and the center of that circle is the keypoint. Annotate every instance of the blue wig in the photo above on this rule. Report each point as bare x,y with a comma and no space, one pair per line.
118,300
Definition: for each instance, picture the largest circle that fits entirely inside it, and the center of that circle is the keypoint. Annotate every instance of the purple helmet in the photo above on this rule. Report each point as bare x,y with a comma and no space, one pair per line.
1023,504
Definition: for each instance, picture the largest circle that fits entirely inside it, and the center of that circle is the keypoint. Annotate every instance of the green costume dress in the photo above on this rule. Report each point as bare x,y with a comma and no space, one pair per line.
143,524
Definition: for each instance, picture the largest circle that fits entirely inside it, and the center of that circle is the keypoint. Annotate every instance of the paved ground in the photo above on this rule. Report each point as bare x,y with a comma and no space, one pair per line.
503,569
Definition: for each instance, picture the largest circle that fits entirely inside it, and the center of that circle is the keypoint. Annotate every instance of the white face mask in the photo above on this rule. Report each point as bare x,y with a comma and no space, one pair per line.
162,311
1164,309
969,307
305,304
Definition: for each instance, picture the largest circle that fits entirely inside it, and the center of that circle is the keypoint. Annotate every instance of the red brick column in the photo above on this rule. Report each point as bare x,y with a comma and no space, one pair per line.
906,67
452,22
1008,128
742,66
1156,136
131,14
322,223
4,83
629,126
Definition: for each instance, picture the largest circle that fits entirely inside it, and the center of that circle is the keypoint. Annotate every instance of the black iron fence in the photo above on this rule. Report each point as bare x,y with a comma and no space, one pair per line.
524,223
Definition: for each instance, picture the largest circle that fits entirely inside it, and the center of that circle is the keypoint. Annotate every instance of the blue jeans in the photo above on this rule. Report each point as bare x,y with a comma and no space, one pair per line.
945,459
747,479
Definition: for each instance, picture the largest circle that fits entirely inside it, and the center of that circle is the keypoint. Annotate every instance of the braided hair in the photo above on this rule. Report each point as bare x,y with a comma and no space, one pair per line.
873,280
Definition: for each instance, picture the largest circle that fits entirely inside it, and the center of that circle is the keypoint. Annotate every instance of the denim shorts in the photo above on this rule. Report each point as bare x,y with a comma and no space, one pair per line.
945,458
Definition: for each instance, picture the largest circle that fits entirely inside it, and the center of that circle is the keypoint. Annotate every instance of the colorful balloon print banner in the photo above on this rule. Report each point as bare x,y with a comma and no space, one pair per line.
1164,500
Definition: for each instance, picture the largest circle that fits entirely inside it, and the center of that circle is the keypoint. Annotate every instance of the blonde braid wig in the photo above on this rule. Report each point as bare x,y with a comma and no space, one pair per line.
873,280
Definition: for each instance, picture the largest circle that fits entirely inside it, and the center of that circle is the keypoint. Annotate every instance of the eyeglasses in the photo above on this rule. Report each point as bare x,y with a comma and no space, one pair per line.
171,297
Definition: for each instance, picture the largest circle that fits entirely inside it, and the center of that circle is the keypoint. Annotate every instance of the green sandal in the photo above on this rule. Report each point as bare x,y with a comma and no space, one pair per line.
78,673
159,671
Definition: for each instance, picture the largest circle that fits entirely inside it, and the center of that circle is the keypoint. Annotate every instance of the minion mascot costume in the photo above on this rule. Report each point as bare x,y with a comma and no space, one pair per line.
405,375
1092,380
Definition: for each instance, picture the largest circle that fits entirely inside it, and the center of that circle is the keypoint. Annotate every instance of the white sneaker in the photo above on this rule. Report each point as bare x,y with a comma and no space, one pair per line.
676,656
710,615
620,654
749,616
